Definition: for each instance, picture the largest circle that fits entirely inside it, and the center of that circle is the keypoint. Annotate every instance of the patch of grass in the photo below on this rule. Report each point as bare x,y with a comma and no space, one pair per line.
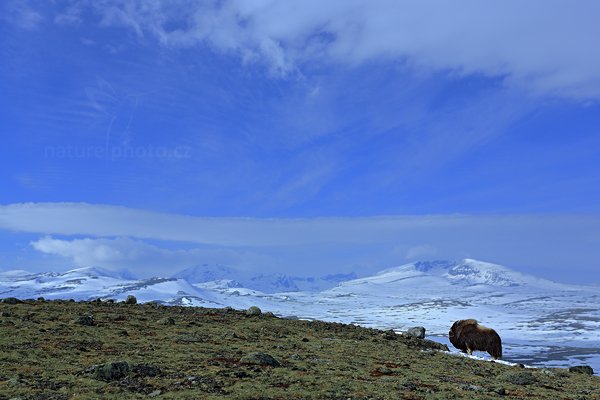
189,353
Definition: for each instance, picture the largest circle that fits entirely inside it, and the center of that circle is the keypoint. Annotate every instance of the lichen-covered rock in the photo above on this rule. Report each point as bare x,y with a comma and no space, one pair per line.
230,335
582,369
416,331
111,371
85,320
130,300
259,358
389,335
253,311
472,388
166,321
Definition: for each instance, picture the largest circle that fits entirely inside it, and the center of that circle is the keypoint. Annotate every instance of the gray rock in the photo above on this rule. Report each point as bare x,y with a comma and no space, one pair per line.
85,320
259,358
111,371
389,335
472,388
130,300
167,321
416,331
16,381
230,335
253,311
548,372
582,369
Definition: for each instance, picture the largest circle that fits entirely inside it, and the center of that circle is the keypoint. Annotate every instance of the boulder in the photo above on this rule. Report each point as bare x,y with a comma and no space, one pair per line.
389,335
11,300
416,331
111,371
253,311
85,320
166,321
259,358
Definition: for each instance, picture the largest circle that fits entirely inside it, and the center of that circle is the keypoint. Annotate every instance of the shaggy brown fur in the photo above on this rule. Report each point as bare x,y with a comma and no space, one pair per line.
467,335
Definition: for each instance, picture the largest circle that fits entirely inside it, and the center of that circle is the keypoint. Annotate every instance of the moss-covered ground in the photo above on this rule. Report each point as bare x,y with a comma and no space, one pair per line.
47,352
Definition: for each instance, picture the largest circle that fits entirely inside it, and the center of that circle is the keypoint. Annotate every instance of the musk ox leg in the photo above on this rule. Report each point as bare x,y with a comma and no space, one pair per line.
469,351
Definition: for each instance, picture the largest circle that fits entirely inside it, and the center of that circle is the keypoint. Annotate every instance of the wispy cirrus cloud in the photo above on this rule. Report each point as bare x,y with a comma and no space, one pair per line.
547,47
21,14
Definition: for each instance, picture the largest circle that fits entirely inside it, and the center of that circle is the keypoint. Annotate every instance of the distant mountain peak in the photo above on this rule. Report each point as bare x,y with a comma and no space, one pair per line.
467,271
93,271
206,273
426,266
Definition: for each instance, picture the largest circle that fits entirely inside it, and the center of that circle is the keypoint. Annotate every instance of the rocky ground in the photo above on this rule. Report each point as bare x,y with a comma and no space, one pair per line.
90,350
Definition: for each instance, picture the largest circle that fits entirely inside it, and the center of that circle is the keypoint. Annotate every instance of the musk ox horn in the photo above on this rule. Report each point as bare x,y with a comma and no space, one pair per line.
468,336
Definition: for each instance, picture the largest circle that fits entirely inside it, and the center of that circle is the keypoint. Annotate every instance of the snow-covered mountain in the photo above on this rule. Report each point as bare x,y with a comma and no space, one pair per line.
220,276
92,282
467,273
539,320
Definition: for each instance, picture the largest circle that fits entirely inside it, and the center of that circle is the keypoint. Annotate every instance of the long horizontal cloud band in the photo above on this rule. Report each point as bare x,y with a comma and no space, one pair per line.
107,221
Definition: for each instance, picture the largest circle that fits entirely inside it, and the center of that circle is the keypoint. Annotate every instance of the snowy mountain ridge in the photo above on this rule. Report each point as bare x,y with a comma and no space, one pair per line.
467,271
532,315
213,275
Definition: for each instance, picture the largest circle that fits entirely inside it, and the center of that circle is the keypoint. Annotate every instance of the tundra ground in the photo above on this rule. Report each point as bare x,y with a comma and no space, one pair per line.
90,350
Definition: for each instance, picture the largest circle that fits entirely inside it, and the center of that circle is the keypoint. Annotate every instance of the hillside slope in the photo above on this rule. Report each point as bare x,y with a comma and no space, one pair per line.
52,349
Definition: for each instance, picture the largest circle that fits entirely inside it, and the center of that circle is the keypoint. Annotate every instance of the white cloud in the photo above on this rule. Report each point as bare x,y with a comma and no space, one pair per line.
115,238
20,14
70,16
423,251
99,251
111,221
138,256
546,46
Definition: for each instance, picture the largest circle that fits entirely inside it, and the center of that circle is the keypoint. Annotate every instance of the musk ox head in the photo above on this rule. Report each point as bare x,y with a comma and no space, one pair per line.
468,336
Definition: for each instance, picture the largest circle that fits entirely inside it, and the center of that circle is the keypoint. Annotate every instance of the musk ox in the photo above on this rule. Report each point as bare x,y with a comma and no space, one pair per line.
467,335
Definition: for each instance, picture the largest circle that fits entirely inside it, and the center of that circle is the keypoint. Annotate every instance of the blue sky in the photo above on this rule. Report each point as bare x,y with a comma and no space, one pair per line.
470,117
